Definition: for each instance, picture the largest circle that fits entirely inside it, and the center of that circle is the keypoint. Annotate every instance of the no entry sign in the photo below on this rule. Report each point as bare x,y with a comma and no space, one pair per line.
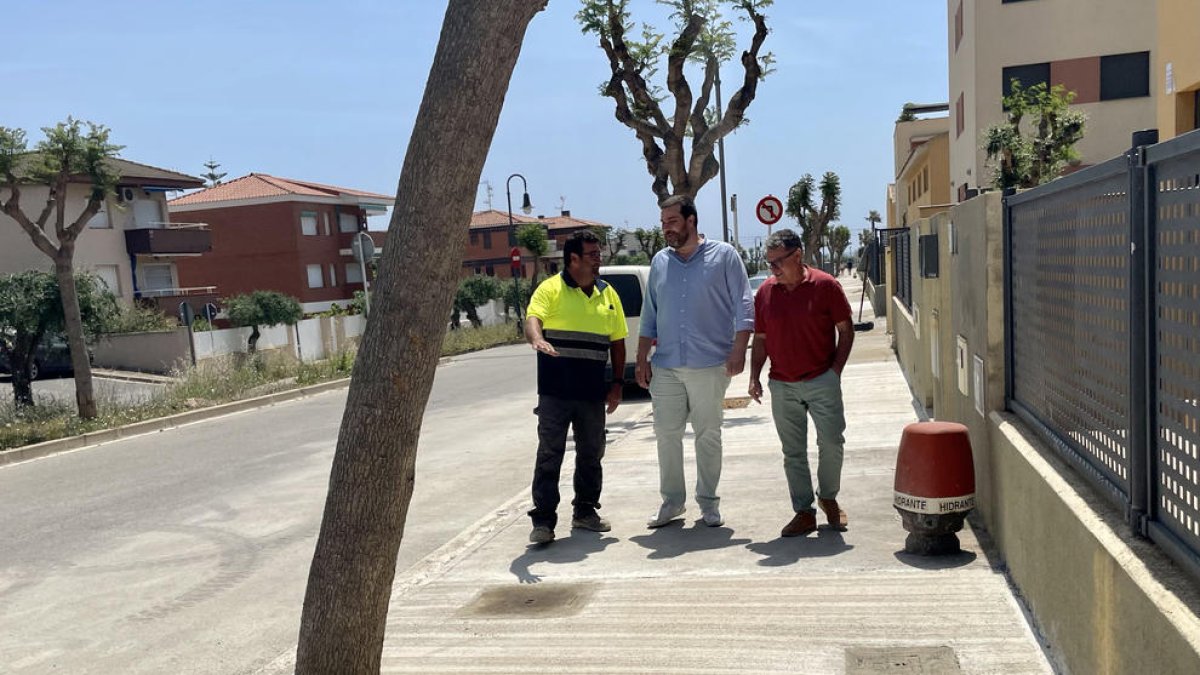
769,210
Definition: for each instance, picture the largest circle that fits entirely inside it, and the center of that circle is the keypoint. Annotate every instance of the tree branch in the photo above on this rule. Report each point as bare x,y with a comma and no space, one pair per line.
702,146
699,122
629,70
12,208
676,82
93,207
616,91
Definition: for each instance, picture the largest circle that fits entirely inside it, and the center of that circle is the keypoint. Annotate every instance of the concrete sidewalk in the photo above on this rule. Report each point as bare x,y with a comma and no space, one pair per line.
739,598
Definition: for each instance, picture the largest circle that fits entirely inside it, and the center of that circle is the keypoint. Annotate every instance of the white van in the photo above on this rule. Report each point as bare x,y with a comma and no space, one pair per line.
630,282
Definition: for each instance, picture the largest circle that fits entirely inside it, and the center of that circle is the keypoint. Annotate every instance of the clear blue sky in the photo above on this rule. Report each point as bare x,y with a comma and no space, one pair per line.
328,92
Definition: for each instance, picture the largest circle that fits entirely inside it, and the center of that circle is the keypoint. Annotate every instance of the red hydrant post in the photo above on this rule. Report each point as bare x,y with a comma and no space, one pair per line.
935,485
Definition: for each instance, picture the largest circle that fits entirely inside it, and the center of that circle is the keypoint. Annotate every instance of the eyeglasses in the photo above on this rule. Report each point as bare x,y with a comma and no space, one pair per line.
778,262
594,255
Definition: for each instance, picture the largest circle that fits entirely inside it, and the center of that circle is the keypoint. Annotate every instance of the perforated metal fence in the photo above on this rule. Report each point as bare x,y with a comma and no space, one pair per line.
901,244
1103,331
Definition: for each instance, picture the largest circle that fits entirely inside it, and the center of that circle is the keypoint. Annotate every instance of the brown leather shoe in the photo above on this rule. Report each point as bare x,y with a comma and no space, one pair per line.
803,523
834,514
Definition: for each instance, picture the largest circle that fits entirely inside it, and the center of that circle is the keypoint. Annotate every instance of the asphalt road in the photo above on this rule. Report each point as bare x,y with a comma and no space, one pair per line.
187,551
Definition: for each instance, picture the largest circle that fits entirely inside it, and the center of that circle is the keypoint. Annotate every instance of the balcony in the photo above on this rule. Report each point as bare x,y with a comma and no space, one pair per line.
169,239
167,300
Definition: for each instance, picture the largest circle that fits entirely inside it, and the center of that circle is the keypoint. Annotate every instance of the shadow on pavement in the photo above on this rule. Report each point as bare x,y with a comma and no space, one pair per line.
570,549
936,562
789,550
673,540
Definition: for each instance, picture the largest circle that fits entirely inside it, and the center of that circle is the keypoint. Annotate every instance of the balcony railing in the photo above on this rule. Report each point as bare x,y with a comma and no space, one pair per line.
169,239
167,300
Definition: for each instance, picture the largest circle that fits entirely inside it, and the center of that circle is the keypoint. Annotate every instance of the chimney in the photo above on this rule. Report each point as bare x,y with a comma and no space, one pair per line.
566,213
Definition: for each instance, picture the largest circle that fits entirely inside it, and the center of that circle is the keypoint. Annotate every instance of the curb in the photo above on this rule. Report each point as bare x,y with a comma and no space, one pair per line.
130,376
60,445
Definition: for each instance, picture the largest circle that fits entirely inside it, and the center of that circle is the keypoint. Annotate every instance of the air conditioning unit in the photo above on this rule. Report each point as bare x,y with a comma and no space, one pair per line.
124,194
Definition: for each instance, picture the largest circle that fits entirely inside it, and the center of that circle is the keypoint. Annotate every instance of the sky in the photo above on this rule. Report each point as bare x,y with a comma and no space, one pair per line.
328,92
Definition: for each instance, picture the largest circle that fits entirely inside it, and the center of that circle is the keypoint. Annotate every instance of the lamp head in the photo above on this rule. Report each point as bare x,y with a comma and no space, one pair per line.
526,205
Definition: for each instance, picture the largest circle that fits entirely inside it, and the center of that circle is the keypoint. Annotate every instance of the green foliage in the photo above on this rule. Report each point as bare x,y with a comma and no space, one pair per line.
262,309
650,241
138,319
638,258
212,177
906,115
516,293
31,309
473,292
66,150
533,237
359,304
839,241
475,339
813,219
1024,158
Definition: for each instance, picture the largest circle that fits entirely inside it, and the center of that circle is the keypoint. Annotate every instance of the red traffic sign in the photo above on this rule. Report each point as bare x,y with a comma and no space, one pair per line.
515,256
769,210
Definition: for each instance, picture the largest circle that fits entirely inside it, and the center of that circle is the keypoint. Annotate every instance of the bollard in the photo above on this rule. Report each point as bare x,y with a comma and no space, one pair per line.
935,485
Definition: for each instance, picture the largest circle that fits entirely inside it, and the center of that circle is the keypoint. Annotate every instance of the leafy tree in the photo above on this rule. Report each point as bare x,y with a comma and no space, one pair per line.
373,472
1022,158
212,176
137,319
473,292
906,114
262,309
533,237
813,219
31,310
650,241
701,36
839,241
67,156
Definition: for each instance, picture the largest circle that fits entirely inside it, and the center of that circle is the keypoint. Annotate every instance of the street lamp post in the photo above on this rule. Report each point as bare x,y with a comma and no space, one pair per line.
527,208
721,161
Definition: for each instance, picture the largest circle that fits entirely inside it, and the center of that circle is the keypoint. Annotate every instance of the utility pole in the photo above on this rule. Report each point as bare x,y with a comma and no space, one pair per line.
721,161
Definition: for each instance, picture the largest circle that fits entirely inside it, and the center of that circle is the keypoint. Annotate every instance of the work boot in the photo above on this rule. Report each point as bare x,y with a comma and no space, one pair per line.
541,535
803,523
834,514
591,522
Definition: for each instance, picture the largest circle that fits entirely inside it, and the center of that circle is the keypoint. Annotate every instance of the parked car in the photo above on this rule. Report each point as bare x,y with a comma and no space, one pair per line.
757,280
630,282
52,357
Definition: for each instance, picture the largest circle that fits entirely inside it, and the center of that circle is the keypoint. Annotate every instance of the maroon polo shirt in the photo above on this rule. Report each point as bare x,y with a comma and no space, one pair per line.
799,324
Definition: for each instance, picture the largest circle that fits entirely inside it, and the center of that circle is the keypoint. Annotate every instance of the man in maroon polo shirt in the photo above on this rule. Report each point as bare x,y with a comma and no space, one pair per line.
802,321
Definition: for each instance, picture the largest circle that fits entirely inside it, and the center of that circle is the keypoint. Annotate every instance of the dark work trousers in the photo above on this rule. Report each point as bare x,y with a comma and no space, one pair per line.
587,420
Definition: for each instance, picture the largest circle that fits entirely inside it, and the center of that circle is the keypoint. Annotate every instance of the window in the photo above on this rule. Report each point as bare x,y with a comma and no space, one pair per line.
960,121
325,217
487,240
314,275
157,277
110,276
1028,74
347,222
1124,76
353,273
958,24
100,221
927,249
474,238
308,223
332,275
491,270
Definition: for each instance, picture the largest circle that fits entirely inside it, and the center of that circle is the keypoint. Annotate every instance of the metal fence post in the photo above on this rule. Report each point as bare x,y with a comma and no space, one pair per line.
1140,413
1006,242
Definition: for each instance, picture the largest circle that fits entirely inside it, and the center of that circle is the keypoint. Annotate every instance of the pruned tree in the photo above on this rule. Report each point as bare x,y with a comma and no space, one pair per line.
31,311
650,241
811,217
212,177
473,292
701,36
535,240
371,480
839,241
67,157
262,309
1025,158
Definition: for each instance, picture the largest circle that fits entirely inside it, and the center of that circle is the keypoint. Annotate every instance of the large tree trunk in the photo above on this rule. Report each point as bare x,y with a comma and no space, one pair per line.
371,482
64,270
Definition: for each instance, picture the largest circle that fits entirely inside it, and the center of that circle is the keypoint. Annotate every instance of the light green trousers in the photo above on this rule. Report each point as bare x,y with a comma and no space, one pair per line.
791,404
682,395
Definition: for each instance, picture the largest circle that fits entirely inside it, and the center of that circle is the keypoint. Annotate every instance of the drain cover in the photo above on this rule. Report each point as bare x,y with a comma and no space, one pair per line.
536,601
908,660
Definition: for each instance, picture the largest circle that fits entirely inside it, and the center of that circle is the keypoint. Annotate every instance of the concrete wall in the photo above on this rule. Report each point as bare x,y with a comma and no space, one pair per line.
1107,602
157,352
1177,46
